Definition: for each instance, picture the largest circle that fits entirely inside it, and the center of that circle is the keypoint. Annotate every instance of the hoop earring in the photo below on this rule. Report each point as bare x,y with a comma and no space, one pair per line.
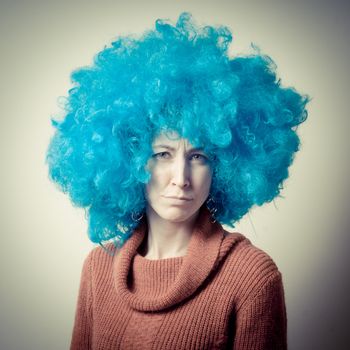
138,217
211,207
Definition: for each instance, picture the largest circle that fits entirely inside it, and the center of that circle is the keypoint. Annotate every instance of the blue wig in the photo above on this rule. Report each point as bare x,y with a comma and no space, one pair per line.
173,78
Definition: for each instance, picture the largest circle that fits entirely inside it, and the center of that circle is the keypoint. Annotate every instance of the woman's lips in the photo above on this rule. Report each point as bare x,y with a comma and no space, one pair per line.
180,199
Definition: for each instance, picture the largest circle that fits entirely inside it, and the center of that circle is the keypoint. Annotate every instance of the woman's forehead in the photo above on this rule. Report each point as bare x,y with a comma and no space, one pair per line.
171,139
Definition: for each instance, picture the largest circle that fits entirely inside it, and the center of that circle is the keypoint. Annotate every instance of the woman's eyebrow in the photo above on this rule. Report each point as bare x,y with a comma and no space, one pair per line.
173,149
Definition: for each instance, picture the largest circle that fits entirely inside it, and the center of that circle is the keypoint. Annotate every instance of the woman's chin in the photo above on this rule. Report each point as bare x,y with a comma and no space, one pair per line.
172,213
177,215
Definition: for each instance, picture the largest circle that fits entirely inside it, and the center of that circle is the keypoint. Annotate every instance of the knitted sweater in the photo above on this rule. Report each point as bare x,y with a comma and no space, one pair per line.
223,294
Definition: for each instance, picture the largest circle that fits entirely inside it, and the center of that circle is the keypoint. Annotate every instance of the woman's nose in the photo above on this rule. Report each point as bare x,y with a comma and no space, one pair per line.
180,173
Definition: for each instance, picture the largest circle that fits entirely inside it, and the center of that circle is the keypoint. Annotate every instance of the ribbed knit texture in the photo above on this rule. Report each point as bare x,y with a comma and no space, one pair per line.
223,294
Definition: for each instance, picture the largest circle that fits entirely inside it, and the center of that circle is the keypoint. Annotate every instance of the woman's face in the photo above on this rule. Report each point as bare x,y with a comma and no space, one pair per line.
180,181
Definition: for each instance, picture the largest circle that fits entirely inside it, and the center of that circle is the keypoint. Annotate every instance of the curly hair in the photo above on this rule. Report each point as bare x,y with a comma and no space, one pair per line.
173,78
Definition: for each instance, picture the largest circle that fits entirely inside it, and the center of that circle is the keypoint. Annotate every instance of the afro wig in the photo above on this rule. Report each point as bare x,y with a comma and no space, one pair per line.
173,78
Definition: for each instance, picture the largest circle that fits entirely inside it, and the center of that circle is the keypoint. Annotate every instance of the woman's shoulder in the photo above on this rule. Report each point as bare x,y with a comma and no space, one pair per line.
101,256
251,264
246,254
249,270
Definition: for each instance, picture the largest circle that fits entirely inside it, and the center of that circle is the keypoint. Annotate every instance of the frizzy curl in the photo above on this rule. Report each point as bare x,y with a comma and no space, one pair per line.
173,78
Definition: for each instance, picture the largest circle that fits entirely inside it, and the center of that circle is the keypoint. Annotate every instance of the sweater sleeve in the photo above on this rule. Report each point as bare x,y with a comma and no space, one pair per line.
261,323
81,337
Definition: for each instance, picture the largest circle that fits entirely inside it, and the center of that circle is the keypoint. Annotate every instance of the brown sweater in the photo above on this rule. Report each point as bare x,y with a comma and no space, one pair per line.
223,294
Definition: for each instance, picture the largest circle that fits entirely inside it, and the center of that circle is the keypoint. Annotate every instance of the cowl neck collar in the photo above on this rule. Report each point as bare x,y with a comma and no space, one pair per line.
191,270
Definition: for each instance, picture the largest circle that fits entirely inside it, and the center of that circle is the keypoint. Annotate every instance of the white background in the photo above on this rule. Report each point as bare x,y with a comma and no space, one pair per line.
43,238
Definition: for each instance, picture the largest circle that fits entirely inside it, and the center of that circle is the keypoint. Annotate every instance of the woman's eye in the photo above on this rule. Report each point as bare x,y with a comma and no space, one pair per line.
162,155
198,156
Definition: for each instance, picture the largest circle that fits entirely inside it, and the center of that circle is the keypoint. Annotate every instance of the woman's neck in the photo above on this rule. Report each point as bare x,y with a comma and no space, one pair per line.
166,239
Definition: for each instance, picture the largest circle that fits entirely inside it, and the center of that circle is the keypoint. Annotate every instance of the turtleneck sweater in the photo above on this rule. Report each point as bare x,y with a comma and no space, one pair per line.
223,294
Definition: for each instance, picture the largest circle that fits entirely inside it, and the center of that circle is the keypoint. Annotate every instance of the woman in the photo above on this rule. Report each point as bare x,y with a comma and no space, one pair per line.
166,138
